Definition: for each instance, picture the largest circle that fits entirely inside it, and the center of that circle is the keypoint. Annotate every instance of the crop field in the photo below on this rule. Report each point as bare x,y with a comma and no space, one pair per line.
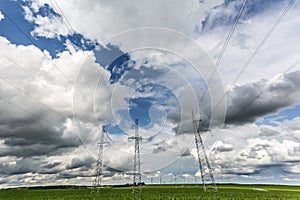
158,192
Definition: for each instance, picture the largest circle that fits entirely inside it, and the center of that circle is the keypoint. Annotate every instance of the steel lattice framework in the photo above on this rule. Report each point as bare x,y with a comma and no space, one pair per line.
99,166
137,178
207,176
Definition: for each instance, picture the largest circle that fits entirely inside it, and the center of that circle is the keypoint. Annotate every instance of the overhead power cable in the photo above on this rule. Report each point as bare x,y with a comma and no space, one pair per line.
46,56
266,37
25,110
32,97
32,76
241,10
262,92
68,25
229,35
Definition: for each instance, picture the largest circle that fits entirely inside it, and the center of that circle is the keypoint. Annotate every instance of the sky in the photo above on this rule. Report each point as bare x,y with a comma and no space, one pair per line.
70,67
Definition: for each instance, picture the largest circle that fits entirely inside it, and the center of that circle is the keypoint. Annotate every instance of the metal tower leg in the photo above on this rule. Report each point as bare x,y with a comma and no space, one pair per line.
99,166
137,178
207,176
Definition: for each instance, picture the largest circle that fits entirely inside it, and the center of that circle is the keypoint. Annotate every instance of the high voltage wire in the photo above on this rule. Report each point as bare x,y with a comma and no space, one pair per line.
242,8
35,115
25,110
17,26
29,74
269,33
29,95
22,69
261,93
69,26
225,44
57,68
19,107
220,56
71,29
266,37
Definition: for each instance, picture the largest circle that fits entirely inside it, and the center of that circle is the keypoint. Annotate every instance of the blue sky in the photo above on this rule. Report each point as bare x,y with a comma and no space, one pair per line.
66,72
18,30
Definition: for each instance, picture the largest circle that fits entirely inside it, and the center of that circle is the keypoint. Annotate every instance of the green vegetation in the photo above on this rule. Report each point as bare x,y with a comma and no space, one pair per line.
158,192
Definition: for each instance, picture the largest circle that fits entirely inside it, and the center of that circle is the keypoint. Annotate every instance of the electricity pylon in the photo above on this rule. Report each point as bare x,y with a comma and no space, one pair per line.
137,178
207,176
99,166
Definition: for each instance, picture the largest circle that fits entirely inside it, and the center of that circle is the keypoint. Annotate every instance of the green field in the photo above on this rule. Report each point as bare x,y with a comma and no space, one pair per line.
158,192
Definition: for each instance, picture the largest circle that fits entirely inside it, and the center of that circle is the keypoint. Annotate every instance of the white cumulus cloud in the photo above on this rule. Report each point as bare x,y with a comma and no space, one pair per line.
1,16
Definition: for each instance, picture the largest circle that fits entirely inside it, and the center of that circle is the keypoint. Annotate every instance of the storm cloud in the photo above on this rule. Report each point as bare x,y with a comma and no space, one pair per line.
247,102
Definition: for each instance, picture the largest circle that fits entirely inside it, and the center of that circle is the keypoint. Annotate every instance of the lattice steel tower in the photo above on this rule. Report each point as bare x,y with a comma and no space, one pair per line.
207,176
99,167
137,178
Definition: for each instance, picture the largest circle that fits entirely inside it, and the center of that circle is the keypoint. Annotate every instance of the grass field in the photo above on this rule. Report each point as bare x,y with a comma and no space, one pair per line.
159,192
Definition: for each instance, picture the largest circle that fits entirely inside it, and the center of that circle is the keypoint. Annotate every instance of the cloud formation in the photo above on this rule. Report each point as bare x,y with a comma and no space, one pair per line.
39,143
252,151
98,19
245,103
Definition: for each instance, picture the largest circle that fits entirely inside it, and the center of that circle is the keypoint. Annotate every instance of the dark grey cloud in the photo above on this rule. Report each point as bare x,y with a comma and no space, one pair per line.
245,103
223,148
266,131
67,175
33,137
78,168
241,172
112,170
30,165
186,127
21,167
249,101
186,153
86,162
159,149
51,165
32,140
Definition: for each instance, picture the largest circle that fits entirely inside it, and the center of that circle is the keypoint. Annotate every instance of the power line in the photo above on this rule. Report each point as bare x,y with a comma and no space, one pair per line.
220,56
69,26
29,95
17,26
261,93
61,72
33,114
71,29
32,76
24,110
266,37
268,34
22,69
242,8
